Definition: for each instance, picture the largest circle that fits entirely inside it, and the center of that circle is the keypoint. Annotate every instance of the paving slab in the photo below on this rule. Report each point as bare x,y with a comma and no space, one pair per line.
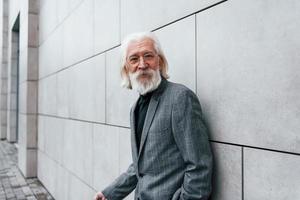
13,185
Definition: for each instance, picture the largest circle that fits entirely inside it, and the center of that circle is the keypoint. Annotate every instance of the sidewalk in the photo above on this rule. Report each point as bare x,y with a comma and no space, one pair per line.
13,186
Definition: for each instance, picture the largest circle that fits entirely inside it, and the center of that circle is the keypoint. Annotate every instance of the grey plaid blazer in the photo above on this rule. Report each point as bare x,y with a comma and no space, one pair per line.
175,160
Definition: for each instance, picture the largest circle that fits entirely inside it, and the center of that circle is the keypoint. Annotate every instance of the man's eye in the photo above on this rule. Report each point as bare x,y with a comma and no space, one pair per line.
133,59
149,55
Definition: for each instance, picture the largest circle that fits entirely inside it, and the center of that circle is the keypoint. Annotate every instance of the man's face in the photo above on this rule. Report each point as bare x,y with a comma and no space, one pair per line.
142,60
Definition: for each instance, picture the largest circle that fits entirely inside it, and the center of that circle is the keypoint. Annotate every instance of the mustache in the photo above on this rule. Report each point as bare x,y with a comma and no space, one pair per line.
146,72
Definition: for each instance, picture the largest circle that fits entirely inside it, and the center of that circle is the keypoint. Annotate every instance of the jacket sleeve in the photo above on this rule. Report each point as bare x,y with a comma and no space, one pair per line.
190,134
122,186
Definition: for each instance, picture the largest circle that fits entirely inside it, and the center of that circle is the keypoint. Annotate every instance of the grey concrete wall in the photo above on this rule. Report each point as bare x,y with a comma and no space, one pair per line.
27,86
3,70
240,57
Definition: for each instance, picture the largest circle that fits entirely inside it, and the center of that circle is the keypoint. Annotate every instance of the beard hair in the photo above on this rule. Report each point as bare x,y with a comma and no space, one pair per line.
143,87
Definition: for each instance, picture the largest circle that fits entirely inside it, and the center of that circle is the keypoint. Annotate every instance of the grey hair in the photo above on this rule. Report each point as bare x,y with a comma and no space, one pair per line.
139,37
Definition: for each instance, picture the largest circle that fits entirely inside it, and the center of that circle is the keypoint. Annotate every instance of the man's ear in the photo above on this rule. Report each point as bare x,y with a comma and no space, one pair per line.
126,68
160,61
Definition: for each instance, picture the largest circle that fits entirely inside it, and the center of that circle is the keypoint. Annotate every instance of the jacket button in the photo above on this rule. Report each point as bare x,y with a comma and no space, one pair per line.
141,175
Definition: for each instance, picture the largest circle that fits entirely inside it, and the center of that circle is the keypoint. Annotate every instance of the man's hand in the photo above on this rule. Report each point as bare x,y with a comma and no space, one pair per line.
100,196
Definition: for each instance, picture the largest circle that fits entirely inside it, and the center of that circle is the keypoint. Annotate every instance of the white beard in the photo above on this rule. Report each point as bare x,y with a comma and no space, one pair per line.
145,86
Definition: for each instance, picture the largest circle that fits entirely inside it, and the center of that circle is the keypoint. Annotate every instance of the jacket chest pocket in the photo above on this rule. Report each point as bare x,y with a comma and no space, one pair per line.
160,124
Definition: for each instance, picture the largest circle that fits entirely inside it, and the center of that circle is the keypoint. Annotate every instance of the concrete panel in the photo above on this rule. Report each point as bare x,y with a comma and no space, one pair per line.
42,3
78,149
5,8
119,100
5,46
227,177
248,72
14,8
11,131
13,85
22,159
182,66
1,8
41,132
47,95
54,137
47,19
24,10
4,42
27,159
31,97
23,65
33,6
13,102
106,155
53,176
62,10
13,64
23,32
51,53
41,175
33,32
31,131
3,117
3,101
47,172
31,163
148,15
74,4
3,132
4,69
125,156
87,91
78,39
4,86
22,97
62,183
22,138
63,92
11,134
271,175
14,50
32,65
79,190
107,24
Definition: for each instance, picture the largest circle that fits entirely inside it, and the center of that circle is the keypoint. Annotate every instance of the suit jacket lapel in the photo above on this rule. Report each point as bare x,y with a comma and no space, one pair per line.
151,112
132,125
149,117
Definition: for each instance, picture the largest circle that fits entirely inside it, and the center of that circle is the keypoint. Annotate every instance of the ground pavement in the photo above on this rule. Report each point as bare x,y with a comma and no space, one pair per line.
13,186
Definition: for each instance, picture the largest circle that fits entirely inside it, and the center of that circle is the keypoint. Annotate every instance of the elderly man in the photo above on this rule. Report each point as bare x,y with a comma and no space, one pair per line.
170,148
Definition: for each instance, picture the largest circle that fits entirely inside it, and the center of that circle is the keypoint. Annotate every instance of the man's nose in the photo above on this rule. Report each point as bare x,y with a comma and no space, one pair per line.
142,64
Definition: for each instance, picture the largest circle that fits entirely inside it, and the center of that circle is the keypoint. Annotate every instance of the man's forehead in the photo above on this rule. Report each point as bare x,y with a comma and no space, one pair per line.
145,44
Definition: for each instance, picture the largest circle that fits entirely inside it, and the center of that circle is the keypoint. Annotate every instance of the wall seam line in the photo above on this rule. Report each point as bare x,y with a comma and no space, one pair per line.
105,88
189,15
81,120
76,63
256,147
242,173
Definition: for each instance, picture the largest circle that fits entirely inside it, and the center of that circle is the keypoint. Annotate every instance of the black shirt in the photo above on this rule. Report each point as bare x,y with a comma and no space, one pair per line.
140,115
